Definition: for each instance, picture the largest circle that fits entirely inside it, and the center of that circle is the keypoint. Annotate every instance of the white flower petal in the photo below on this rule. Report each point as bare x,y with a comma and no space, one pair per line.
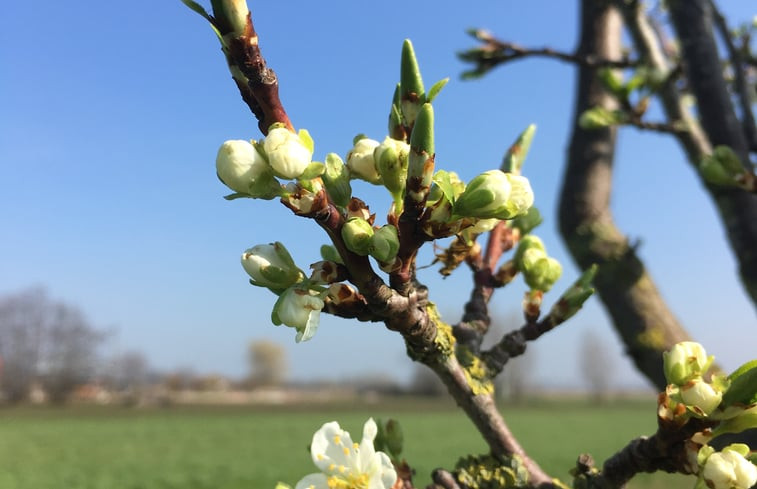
313,481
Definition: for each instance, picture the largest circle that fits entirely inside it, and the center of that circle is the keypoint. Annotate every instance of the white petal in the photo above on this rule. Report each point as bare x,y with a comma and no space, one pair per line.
313,481
314,318
328,447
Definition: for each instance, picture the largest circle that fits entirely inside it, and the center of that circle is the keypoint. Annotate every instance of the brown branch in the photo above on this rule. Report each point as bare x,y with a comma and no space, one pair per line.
443,480
740,84
494,52
257,83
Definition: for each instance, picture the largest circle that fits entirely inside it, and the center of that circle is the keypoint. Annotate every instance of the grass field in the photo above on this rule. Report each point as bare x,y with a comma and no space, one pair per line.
251,448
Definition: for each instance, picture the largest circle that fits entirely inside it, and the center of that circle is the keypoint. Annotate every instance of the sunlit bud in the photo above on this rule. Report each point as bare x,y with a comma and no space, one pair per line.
729,469
385,243
516,155
539,270
241,168
495,194
484,225
411,84
700,396
573,299
684,362
329,253
324,272
527,222
231,16
528,242
287,153
298,308
357,234
271,265
360,161
420,171
722,167
393,437
336,178
391,162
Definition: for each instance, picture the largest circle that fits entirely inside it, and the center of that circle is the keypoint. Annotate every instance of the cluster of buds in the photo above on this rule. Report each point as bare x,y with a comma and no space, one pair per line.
685,366
724,167
731,468
539,270
250,168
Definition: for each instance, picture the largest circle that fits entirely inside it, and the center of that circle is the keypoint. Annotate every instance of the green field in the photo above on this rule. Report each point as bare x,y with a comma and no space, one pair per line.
251,448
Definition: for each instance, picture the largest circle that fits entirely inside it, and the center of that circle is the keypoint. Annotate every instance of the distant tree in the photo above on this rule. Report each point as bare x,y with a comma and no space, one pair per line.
44,340
128,370
268,363
596,365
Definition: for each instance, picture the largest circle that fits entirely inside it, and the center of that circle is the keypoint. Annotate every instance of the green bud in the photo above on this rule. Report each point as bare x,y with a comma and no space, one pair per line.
271,265
385,243
599,117
702,398
539,270
336,178
391,157
411,84
396,130
527,243
573,299
527,222
357,234
495,194
612,81
329,253
420,170
516,155
722,167
360,160
686,361
394,437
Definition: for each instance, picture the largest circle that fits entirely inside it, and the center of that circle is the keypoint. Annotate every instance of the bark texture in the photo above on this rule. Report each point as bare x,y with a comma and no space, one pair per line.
639,313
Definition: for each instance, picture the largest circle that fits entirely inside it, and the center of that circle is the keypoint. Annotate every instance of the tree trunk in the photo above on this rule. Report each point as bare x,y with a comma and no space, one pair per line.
639,313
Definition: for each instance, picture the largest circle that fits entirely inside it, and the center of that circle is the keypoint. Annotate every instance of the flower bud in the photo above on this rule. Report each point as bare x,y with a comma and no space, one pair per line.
729,469
336,178
700,396
394,437
516,155
360,160
411,84
391,157
287,153
723,167
539,270
357,234
304,201
271,265
495,194
385,243
241,168
526,243
298,308
684,362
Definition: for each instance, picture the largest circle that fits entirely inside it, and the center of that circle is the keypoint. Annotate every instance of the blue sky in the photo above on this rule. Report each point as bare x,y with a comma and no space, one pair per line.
112,114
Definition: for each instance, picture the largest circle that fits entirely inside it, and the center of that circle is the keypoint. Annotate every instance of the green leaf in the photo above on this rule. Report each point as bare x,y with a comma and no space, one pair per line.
743,388
516,154
442,179
435,89
237,195
314,169
199,9
306,139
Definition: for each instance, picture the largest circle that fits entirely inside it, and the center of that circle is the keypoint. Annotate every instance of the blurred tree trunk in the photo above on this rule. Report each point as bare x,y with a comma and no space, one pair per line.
639,313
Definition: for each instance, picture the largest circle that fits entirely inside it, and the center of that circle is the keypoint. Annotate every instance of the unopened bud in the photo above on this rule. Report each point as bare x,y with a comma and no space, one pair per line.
324,272
241,168
528,242
723,167
391,157
385,243
700,396
271,265
411,84
729,468
287,152
516,155
495,194
685,361
336,178
357,234
360,161
393,437
539,270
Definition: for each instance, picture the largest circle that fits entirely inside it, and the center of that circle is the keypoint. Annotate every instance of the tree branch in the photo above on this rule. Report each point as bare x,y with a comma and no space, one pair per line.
494,52
639,314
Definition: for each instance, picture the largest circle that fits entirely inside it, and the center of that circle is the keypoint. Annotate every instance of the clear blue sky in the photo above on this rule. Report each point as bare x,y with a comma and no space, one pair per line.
112,114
